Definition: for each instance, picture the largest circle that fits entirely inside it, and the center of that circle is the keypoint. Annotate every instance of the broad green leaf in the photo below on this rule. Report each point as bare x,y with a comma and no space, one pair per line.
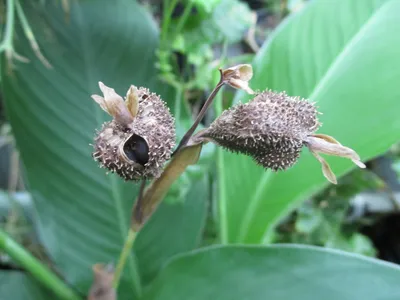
17,285
341,54
82,214
275,272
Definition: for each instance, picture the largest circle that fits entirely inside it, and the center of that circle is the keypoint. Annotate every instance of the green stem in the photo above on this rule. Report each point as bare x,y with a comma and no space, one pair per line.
126,251
29,34
168,10
8,36
201,114
39,271
130,239
183,19
178,104
223,221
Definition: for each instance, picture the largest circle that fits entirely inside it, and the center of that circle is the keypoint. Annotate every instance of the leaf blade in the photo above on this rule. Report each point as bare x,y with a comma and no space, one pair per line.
278,272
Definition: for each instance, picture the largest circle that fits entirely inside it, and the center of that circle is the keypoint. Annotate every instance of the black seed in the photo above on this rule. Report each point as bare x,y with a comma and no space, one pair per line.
136,149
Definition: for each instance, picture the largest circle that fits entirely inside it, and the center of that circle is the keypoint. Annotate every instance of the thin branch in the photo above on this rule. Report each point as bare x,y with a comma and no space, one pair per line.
201,114
30,36
126,251
8,35
7,43
137,213
130,239
168,10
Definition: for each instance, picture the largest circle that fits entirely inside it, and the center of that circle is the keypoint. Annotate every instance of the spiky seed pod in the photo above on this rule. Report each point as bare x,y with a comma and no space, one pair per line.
140,138
272,129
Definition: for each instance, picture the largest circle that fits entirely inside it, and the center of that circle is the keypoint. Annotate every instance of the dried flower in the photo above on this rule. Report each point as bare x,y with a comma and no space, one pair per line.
139,139
321,143
102,288
239,77
273,128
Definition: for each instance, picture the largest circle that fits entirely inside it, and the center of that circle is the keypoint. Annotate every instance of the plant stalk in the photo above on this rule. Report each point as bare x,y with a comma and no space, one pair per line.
141,208
37,269
202,112
182,19
168,10
129,241
29,35
8,35
223,228
126,251
137,211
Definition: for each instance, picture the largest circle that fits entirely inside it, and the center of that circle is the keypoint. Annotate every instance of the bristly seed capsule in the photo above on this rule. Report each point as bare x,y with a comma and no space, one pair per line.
139,139
272,129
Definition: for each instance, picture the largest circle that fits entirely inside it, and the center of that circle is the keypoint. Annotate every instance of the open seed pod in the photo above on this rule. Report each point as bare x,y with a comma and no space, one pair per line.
272,129
139,139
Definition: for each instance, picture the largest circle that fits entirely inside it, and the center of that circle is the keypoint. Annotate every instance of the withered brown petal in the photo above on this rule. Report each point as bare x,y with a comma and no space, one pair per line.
238,77
132,100
326,144
113,104
102,287
326,169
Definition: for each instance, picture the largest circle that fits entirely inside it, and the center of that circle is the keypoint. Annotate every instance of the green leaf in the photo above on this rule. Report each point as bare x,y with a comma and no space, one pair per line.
83,215
341,54
275,272
17,285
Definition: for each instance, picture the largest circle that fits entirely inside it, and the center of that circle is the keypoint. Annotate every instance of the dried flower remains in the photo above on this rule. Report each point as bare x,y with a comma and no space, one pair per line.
102,288
238,77
272,129
139,139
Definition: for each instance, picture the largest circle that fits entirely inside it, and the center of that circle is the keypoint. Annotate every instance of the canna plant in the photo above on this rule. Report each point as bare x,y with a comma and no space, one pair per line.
272,129
83,215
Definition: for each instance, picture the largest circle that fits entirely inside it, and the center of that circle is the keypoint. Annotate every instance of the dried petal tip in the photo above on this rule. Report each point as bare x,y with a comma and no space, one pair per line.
138,149
239,77
270,128
113,104
102,287
132,100
321,143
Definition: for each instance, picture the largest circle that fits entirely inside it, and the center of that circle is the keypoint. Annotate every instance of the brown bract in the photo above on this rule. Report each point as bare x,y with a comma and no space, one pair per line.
102,287
272,129
239,77
139,139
